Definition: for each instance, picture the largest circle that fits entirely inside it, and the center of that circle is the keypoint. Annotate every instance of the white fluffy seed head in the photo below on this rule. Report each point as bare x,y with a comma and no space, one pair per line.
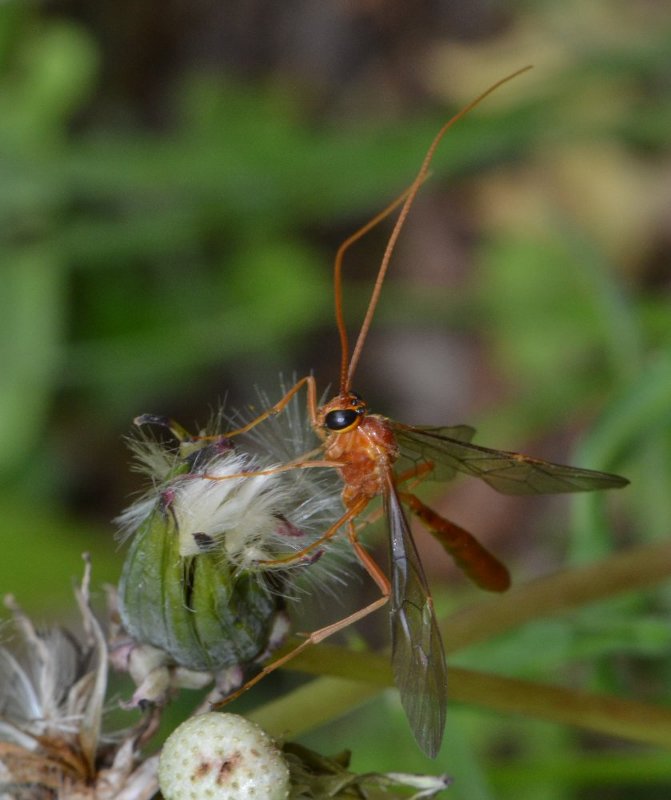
222,756
217,508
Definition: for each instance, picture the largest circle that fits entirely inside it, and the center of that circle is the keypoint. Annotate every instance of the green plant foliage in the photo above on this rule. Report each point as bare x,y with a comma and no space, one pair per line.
162,265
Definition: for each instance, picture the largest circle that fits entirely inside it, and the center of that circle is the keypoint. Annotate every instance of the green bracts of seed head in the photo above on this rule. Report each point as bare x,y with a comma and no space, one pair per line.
195,608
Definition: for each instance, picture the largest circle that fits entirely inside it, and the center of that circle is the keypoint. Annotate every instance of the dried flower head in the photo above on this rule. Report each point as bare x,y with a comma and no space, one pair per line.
51,703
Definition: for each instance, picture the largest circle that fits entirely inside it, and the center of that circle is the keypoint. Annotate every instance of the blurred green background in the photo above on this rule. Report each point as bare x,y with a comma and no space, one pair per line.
174,181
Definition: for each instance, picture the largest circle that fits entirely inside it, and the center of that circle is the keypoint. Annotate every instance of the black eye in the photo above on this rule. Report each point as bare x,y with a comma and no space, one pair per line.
340,419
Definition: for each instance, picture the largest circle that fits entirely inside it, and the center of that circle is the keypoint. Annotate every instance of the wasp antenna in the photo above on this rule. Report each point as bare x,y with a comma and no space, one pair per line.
409,196
337,282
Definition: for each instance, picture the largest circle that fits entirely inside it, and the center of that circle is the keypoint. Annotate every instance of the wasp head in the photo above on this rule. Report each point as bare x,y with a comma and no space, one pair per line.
343,413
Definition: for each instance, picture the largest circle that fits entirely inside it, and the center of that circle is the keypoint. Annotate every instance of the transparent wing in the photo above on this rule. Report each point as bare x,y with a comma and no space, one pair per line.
412,457
509,473
418,658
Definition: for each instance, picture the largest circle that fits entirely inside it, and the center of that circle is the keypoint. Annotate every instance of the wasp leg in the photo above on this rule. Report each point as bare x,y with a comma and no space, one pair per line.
375,572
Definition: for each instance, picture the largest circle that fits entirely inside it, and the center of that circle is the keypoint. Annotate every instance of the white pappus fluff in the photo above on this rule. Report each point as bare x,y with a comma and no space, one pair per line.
243,516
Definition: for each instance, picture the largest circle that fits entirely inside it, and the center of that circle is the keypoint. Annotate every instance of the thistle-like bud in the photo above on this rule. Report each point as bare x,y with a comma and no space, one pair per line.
224,756
228,757
199,582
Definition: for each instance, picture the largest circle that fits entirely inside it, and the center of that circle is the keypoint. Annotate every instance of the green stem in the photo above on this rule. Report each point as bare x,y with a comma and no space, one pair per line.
324,699
628,571
360,675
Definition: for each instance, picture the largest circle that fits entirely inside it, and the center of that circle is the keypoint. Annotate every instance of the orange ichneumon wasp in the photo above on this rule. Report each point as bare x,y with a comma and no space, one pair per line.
367,451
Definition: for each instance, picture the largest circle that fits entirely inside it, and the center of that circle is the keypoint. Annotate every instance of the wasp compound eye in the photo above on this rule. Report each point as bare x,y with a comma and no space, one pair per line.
341,419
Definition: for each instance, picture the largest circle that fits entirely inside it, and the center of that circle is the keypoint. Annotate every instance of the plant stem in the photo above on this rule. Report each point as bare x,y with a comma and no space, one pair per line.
631,570
357,676
324,699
